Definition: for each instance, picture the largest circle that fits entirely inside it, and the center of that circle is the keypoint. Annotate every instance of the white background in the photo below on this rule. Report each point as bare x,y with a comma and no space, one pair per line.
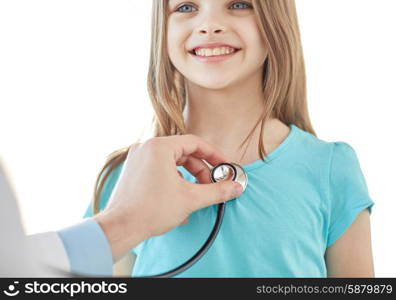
73,89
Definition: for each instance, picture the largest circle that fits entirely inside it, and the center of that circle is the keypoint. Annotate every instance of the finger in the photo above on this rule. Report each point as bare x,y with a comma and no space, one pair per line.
214,193
198,168
192,145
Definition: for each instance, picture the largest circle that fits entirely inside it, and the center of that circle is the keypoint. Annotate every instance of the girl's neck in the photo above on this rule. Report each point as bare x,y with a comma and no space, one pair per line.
224,118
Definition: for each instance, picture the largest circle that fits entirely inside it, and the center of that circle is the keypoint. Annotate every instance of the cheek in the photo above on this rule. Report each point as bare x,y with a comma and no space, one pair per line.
254,41
176,37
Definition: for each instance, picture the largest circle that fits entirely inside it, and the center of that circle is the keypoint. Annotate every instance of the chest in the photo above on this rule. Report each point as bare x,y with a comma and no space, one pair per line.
280,209
277,221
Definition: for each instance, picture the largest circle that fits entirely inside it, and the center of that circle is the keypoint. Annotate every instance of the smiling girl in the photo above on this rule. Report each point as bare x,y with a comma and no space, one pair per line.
232,72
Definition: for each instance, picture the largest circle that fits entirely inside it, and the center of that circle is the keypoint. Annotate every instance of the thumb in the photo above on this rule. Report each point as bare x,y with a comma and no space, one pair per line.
215,193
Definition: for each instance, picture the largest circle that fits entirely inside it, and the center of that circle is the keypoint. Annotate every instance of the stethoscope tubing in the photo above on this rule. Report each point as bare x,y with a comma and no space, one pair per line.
188,264
212,236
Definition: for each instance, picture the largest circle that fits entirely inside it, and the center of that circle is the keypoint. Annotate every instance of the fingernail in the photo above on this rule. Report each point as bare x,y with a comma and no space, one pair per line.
237,189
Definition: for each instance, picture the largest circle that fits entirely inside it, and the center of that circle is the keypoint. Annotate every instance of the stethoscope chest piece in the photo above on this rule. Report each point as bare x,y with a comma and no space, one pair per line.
233,171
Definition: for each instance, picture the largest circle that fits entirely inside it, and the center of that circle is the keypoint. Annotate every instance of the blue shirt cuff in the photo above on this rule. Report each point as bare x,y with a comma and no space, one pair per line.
88,250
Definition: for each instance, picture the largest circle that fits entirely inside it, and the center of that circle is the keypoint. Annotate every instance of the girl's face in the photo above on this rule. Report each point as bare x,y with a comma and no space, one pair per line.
198,22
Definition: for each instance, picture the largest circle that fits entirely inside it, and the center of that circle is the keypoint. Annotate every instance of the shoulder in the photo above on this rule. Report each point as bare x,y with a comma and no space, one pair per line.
345,167
343,155
108,178
333,160
319,145
322,151
117,158
112,174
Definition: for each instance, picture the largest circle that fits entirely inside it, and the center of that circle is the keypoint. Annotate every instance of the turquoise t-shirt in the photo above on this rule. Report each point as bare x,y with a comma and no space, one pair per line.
295,206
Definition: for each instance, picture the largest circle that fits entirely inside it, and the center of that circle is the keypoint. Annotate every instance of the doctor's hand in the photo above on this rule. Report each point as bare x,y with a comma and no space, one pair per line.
151,197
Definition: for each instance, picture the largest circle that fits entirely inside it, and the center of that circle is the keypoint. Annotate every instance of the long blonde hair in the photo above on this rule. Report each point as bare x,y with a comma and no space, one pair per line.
284,80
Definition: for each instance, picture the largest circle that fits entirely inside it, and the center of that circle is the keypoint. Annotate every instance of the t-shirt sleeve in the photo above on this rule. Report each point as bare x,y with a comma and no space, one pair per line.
348,192
106,193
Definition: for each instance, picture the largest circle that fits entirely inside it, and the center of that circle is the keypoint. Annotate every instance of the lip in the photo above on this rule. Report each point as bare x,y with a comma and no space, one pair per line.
216,58
213,45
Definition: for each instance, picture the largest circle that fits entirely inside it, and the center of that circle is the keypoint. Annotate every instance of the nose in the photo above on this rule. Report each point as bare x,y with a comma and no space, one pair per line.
212,23
211,29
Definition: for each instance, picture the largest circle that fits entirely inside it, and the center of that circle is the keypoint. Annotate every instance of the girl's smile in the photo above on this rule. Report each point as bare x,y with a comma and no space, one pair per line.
215,44
214,52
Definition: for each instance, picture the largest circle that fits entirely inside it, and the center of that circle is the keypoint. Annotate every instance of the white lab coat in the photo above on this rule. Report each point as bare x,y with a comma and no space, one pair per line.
38,255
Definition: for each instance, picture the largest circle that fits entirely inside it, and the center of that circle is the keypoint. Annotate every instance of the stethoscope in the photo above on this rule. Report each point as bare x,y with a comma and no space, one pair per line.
223,171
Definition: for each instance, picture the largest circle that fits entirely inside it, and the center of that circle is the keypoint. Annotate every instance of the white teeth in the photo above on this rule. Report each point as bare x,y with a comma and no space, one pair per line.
214,51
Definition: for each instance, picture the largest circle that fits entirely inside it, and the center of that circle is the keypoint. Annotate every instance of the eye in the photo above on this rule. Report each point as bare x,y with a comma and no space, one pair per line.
184,10
242,5
238,5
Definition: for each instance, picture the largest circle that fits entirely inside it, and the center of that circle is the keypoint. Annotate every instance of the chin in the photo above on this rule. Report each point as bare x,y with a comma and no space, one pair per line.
216,84
213,86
